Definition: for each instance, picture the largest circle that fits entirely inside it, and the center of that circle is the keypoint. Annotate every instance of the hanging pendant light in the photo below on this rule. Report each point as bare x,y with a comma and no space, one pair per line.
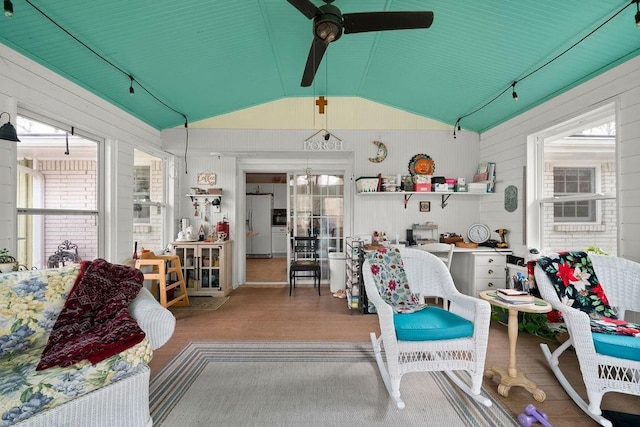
7,131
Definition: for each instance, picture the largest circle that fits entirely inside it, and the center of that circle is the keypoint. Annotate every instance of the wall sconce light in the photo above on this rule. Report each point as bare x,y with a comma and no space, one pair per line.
7,131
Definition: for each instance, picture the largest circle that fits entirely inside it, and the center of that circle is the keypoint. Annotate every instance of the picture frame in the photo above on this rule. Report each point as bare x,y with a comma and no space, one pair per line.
425,206
206,178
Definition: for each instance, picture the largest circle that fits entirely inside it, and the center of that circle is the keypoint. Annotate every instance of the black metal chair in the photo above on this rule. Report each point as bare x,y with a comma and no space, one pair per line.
67,253
305,260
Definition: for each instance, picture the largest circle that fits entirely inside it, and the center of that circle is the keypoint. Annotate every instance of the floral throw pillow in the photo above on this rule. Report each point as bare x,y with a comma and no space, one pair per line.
575,282
577,286
390,277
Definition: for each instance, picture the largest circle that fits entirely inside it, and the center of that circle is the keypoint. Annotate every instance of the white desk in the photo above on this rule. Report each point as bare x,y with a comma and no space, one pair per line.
479,269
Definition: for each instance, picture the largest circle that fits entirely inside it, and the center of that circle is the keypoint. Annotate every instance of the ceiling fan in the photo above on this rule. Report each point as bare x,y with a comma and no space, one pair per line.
329,24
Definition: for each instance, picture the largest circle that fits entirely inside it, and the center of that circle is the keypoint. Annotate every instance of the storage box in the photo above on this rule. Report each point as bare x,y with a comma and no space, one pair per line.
477,187
441,188
366,184
423,188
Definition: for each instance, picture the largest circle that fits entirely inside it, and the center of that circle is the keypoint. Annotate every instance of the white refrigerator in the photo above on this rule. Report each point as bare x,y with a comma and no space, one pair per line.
258,220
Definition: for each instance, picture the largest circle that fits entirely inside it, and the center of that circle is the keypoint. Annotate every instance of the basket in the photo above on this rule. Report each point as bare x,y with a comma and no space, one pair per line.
451,239
468,245
366,184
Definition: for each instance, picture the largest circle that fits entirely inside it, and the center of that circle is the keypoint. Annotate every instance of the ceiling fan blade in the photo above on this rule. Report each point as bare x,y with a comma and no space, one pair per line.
380,21
307,8
318,47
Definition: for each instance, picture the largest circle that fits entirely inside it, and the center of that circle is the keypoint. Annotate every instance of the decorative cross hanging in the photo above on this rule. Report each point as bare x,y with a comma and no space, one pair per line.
321,102
195,206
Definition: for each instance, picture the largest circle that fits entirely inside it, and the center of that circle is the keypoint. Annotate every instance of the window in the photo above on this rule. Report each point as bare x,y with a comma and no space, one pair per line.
571,185
148,200
57,191
571,182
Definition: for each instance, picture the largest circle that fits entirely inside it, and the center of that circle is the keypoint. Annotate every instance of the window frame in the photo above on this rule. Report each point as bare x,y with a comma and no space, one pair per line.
98,212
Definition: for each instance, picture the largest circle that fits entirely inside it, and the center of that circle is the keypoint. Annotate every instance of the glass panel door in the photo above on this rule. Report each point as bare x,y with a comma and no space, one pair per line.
316,208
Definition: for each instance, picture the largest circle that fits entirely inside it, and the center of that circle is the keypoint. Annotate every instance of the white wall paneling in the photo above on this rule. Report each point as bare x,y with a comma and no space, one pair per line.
508,143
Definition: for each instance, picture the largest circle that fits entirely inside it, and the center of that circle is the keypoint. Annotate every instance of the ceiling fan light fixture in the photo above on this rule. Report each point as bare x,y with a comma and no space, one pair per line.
7,131
8,8
328,26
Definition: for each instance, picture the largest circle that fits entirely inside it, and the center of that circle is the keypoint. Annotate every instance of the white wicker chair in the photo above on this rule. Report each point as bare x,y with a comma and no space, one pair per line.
620,280
428,276
444,251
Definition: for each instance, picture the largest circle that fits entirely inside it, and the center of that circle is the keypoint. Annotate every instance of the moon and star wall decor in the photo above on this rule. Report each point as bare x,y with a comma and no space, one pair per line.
381,154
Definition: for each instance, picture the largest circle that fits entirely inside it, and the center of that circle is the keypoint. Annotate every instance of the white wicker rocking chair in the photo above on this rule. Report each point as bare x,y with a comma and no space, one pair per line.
428,276
620,280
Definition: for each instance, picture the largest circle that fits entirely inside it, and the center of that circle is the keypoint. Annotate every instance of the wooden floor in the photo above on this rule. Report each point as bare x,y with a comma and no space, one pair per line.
267,270
267,313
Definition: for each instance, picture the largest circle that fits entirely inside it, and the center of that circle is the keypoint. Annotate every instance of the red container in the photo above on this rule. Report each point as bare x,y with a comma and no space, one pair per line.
424,187
223,227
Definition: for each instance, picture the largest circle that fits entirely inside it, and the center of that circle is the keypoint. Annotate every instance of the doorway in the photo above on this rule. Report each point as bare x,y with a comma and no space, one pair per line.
266,239
314,202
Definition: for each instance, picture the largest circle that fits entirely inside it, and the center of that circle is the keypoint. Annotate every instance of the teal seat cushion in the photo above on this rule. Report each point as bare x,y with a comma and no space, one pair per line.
622,346
429,324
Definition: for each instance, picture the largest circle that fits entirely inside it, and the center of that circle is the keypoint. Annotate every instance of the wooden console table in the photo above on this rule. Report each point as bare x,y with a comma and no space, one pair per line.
511,377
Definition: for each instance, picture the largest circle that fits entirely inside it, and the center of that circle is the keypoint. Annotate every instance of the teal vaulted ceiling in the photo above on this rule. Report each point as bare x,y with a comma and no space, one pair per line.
208,58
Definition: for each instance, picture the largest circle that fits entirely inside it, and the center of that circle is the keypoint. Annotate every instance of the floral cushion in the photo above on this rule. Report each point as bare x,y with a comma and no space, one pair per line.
30,302
390,277
577,286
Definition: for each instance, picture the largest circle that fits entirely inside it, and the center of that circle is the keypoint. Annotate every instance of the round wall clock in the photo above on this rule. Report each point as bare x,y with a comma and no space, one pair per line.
478,233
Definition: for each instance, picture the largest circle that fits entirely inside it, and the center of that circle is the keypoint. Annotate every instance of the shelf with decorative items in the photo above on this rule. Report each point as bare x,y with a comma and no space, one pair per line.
212,196
407,195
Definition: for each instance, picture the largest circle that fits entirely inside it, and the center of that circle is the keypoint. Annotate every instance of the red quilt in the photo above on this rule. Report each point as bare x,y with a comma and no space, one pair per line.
95,323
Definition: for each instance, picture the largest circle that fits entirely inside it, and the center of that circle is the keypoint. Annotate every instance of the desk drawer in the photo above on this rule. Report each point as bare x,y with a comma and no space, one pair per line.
488,284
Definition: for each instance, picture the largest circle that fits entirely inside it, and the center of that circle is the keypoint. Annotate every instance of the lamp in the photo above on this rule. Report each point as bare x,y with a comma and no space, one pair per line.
514,95
637,13
131,91
8,8
328,26
7,131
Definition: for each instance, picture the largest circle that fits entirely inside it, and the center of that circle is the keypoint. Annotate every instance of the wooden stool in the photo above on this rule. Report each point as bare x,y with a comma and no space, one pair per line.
161,267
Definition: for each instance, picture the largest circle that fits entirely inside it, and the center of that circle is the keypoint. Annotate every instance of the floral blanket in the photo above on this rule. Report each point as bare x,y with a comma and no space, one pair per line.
577,286
30,302
388,272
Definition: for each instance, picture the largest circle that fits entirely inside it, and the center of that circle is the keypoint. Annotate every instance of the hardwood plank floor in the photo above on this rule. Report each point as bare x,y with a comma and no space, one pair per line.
267,313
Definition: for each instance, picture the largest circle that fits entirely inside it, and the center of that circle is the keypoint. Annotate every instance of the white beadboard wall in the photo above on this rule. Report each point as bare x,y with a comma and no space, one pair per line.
25,84
507,145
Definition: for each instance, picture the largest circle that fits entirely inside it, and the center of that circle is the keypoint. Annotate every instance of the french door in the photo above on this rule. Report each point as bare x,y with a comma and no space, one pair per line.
316,208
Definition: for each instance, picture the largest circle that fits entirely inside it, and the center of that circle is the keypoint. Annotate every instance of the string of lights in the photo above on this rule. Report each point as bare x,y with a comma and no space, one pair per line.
512,86
9,12
128,75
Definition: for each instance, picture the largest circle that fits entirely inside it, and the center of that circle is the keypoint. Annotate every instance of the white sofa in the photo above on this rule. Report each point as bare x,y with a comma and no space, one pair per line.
123,403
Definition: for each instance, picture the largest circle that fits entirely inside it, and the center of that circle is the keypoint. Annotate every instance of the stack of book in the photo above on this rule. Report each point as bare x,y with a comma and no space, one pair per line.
513,296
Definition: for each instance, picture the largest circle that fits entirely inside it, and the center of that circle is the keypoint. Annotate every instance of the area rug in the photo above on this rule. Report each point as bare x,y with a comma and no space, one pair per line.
303,383
202,303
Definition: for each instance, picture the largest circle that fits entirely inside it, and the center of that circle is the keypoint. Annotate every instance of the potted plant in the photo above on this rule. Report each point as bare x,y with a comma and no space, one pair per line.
7,262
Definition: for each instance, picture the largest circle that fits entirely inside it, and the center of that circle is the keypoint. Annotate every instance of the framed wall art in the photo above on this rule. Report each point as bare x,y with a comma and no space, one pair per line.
206,178
425,206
